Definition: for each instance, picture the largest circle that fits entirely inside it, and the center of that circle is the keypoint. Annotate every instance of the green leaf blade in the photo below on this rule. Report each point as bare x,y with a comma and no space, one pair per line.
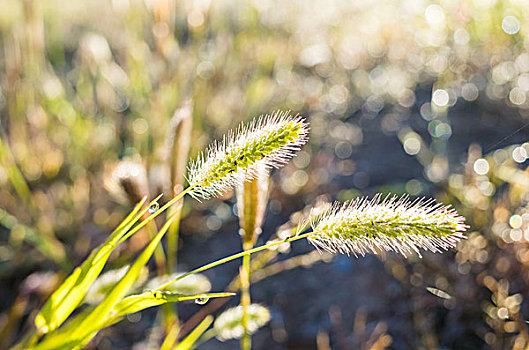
72,291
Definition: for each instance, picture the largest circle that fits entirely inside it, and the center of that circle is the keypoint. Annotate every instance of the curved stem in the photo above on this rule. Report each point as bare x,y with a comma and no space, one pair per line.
235,256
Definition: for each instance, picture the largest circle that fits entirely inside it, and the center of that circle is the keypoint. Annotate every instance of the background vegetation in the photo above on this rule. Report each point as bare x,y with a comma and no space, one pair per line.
428,98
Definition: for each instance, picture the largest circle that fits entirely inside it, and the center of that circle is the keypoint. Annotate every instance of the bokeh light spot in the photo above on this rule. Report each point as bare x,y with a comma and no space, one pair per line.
481,166
515,221
343,150
140,126
469,92
412,146
510,25
503,313
435,15
516,234
440,98
517,96
414,187
519,154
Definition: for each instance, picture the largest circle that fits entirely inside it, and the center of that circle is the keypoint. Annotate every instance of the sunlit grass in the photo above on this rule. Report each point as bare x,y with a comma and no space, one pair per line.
87,87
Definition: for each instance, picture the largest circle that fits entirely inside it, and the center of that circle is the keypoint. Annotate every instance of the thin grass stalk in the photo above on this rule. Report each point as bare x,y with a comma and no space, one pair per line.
259,271
173,237
170,312
252,198
155,214
234,257
194,338
178,144
159,255
171,333
235,285
244,274
257,264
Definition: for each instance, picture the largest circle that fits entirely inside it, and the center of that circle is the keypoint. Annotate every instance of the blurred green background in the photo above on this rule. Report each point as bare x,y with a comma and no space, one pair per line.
424,97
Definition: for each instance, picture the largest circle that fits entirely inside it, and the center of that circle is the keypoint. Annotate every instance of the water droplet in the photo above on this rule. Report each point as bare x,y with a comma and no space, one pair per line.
201,301
154,207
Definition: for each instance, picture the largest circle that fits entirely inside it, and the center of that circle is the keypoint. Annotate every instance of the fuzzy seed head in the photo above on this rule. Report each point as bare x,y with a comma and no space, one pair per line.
229,324
391,224
192,284
268,141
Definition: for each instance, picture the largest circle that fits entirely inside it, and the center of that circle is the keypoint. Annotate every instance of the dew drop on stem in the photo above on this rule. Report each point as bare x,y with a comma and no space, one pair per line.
201,301
153,208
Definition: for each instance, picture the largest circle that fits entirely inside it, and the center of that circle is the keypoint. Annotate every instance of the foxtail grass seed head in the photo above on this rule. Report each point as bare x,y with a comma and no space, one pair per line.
229,324
252,197
394,224
269,141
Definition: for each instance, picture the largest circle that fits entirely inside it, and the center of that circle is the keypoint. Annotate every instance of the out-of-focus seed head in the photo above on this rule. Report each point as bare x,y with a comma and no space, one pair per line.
391,224
268,141
159,180
192,284
229,324
127,181
106,281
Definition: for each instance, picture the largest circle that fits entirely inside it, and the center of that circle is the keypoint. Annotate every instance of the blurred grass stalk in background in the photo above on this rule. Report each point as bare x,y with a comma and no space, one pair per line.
178,144
252,199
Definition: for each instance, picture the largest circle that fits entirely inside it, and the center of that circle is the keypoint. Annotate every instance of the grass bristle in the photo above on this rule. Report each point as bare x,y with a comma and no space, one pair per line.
268,141
392,224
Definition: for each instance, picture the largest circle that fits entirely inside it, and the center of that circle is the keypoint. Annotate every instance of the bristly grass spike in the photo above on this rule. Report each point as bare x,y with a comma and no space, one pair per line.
268,141
391,224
